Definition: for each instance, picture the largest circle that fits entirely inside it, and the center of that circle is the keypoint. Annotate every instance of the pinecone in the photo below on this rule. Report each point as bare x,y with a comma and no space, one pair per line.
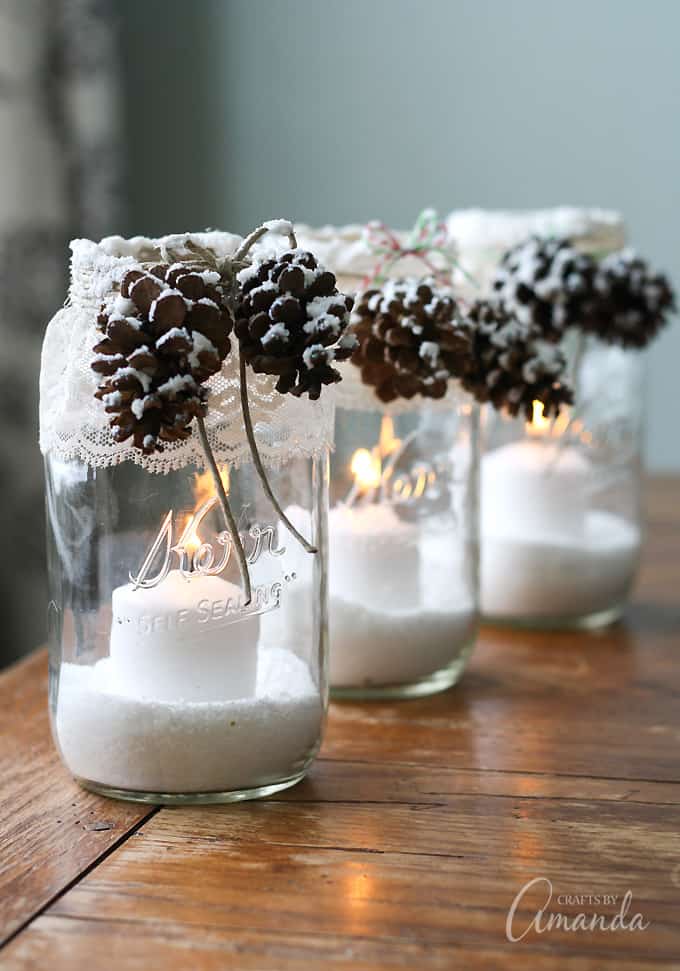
632,303
546,283
510,365
166,333
411,340
291,321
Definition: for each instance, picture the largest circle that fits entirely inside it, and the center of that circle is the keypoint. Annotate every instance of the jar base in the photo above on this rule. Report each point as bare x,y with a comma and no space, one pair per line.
438,681
190,798
594,621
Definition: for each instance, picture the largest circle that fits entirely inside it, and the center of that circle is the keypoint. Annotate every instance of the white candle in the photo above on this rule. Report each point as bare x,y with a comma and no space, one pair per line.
388,622
397,607
373,555
534,487
185,638
545,552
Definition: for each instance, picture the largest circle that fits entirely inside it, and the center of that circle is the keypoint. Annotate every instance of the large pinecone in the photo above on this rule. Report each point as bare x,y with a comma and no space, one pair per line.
510,365
411,340
546,283
166,333
291,321
632,303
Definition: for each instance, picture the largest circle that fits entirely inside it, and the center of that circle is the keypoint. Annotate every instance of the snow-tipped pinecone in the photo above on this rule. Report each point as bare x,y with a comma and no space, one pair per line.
546,283
510,365
411,340
633,301
165,334
291,321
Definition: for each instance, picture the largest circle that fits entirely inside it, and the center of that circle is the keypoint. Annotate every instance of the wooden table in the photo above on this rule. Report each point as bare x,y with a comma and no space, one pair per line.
557,758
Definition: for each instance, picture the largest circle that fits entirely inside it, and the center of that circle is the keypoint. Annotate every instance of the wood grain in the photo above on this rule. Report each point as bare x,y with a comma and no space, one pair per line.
553,703
51,830
556,757
65,945
437,875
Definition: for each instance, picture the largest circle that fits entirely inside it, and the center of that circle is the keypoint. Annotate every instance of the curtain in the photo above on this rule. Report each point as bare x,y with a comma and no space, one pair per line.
59,178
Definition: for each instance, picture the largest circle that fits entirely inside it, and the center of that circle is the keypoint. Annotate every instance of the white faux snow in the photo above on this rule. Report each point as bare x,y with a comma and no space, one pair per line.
137,406
379,647
276,331
309,353
319,306
429,351
544,552
326,324
131,372
172,334
123,306
118,740
247,273
201,345
282,227
557,576
176,384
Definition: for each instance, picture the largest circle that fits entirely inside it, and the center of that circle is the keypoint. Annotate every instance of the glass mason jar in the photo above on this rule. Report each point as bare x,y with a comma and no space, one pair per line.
560,526
403,547
164,686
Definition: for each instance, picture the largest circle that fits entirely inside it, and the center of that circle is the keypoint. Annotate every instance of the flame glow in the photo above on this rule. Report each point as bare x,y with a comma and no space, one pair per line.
375,471
368,465
542,427
204,489
366,469
539,424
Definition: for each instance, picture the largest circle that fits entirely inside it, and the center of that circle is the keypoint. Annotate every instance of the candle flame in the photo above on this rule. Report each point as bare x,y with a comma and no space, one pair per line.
539,424
366,469
376,475
542,427
387,440
368,465
204,489
563,424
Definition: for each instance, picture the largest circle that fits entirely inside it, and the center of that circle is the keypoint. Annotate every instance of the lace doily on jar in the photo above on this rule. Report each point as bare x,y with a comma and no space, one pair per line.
345,251
483,235
74,424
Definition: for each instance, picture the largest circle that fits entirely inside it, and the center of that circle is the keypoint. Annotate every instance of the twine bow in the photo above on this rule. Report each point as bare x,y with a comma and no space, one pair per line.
428,237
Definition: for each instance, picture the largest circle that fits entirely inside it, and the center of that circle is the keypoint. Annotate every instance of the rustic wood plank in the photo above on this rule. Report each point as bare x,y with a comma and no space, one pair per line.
62,945
437,875
556,757
51,830
398,782
601,704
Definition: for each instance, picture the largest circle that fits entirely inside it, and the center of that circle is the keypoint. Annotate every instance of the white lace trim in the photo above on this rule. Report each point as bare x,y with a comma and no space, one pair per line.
73,423
484,235
481,236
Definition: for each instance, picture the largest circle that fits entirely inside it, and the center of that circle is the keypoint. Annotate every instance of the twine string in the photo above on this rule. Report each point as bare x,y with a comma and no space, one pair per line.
429,237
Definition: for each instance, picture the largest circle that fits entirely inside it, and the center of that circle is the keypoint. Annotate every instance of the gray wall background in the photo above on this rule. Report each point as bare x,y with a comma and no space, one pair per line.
345,110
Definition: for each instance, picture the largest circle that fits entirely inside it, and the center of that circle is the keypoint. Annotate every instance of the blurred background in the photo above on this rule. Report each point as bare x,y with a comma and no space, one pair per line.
155,116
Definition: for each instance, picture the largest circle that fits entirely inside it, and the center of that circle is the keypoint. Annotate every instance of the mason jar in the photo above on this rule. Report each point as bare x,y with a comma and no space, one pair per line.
560,520
403,545
166,684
